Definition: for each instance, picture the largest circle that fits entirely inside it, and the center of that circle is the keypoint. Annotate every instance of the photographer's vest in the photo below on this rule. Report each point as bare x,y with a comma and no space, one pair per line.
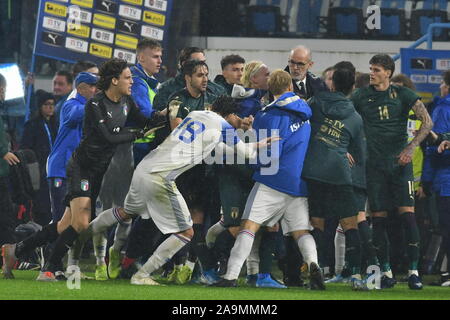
151,96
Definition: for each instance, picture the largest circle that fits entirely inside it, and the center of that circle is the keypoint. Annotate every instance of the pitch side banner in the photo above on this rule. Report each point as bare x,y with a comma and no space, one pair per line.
96,30
425,68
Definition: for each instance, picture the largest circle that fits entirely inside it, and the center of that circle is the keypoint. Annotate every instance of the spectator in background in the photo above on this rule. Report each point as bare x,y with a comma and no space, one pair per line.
232,71
6,159
39,134
362,80
62,87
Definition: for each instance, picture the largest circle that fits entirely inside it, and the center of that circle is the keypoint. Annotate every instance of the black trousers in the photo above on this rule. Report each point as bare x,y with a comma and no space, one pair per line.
7,223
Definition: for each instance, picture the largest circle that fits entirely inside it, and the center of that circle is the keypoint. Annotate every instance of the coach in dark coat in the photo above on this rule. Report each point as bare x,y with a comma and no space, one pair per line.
306,84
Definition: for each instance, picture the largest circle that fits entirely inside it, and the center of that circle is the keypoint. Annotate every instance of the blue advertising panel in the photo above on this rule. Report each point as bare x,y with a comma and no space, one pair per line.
96,30
425,68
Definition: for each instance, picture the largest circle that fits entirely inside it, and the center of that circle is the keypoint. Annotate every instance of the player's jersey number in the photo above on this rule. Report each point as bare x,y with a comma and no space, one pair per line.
188,130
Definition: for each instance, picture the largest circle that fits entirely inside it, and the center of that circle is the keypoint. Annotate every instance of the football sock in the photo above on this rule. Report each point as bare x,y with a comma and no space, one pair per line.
339,251
213,232
62,245
307,247
381,242
319,239
48,234
367,243
412,239
239,253
105,220
73,256
253,261
353,251
164,252
121,235
267,250
224,244
99,240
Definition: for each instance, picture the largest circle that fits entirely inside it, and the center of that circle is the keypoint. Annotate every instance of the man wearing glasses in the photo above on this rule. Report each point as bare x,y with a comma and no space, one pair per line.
305,83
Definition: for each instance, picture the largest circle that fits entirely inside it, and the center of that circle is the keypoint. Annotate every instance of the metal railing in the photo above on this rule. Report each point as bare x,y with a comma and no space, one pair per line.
428,37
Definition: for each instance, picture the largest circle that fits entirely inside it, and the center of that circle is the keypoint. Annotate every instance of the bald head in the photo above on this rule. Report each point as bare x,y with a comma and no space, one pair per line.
301,51
300,61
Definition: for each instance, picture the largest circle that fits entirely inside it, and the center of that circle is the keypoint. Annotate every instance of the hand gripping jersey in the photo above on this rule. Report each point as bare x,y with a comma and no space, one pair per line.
191,142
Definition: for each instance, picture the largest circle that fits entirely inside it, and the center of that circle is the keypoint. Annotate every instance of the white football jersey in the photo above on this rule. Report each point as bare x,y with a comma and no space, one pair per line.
189,143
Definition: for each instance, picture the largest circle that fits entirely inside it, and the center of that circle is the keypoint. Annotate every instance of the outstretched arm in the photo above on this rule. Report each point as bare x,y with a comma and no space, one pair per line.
421,113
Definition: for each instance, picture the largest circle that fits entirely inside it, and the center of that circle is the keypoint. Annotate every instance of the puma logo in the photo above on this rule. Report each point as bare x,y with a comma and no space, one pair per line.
422,63
106,5
53,37
129,26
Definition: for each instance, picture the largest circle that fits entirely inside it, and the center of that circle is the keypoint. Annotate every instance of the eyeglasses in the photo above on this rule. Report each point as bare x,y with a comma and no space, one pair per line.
298,64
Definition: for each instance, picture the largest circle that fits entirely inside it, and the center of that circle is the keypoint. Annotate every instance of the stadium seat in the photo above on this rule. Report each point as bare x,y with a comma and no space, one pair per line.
263,20
305,15
268,17
394,17
345,18
427,12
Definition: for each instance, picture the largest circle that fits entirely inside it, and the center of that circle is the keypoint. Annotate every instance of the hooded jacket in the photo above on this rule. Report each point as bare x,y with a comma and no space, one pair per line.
436,169
336,129
249,100
220,80
290,115
68,138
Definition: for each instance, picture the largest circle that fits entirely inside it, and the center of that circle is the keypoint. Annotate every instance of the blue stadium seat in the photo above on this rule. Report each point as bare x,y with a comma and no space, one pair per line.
306,14
346,18
263,20
394,16
427,12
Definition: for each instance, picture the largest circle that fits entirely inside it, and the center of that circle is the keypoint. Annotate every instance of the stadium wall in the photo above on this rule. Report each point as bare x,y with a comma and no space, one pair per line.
274,51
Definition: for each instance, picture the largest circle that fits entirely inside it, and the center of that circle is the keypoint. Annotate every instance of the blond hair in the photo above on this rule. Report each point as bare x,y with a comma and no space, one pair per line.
279,82
250,70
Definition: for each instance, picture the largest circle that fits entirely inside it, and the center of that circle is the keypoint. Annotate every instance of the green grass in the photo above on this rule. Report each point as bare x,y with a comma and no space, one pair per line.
24,287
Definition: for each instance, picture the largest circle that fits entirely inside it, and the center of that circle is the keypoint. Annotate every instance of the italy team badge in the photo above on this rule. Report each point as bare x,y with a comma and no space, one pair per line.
84,185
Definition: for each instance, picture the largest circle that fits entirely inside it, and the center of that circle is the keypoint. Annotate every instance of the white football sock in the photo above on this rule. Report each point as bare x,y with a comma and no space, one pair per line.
164,252
213,232
105,220
99,240
252,262
121,235
339,251
239,253
308,249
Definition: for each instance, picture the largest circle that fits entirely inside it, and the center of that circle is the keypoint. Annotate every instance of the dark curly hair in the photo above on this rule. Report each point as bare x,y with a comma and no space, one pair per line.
109,70
225,105
191,66
385,61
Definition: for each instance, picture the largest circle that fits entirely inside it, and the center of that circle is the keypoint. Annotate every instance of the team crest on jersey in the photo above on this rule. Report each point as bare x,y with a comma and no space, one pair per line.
84,185
125,110
234,212
58,183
